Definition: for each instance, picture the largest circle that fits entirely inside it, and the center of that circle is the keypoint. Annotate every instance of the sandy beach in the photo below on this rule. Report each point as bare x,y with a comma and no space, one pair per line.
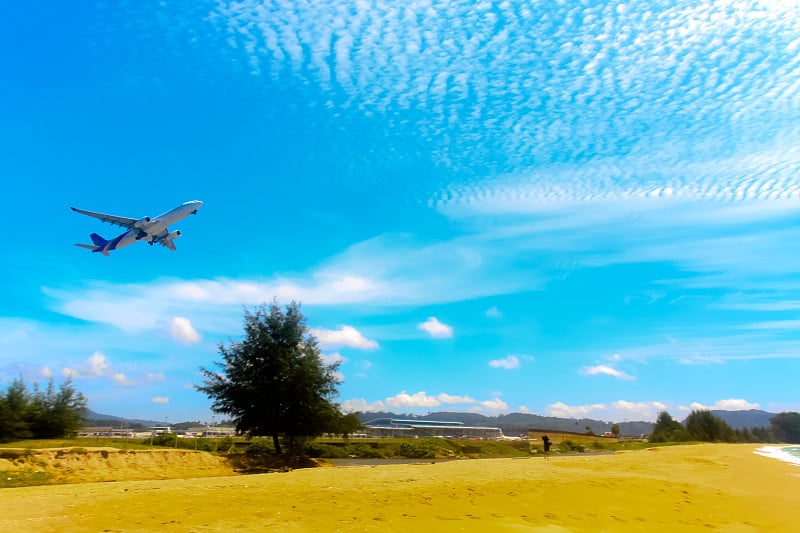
682,488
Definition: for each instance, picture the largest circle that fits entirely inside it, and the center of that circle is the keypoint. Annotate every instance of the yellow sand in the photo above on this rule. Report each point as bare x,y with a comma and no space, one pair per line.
682,488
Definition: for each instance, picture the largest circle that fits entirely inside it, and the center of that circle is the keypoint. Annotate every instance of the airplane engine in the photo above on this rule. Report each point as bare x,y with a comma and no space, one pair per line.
142,222
173,235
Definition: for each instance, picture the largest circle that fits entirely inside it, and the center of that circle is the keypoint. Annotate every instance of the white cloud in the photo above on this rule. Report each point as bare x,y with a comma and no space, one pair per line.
733,404
617,411
523,409
99,366
446,398
510,362
605,370
493,312
332,358
356,405
495,406
160,399
404,400
121,379
436,329
563,410
96,365
701,360
422,400
181,330
774,324
636,410
418,399
345,336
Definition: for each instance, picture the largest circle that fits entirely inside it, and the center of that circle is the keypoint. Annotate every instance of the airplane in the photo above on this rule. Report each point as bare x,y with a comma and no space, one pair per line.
152,231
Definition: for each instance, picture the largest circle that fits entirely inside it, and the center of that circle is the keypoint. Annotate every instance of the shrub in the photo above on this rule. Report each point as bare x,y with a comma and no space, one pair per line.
225,445
367,451
316,449
165,439
259,448
415,451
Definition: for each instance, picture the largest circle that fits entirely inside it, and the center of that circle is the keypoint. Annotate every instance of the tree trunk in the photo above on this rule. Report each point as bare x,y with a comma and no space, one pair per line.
277,443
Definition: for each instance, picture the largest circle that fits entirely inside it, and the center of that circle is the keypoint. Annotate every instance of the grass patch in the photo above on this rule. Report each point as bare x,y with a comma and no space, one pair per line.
13,454
429,448
24,478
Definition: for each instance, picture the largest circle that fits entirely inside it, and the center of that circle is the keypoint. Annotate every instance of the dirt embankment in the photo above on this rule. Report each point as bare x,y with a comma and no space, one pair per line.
79,465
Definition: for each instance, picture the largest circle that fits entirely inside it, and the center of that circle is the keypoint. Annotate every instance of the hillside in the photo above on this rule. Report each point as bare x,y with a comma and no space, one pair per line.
520,423
753,418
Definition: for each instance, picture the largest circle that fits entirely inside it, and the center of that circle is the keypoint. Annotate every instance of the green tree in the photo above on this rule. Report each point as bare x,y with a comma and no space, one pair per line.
48,413
14,412
703,425
786,427
64,409
273,382
761,434
346,425
666,429
615,430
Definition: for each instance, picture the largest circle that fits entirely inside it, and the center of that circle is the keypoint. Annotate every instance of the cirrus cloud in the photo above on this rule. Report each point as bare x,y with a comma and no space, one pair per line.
606,370
508,363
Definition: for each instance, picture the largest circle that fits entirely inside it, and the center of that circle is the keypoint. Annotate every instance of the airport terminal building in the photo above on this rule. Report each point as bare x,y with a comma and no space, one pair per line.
400,428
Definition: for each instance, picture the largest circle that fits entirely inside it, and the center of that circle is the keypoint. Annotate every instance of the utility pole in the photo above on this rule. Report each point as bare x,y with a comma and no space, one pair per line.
214,431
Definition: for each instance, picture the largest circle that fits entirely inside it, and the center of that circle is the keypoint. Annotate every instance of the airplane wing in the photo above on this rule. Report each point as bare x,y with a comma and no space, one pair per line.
168,243
166,238
123,222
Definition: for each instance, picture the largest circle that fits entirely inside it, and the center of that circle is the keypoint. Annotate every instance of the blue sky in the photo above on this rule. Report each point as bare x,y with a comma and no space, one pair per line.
562,208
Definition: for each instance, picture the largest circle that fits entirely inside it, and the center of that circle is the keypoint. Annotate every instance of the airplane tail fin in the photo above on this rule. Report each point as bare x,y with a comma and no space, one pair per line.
98,240
93,248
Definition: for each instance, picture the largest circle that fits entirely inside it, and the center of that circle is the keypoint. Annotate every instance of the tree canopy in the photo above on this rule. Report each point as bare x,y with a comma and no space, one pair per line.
704,426
41,414
667,429
786,427
274,382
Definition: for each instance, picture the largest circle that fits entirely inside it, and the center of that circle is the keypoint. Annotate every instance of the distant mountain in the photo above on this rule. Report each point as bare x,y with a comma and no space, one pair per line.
754,418
91,417
520,423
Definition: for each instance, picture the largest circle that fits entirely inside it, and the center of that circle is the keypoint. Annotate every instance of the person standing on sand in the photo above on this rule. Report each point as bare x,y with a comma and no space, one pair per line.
546,442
